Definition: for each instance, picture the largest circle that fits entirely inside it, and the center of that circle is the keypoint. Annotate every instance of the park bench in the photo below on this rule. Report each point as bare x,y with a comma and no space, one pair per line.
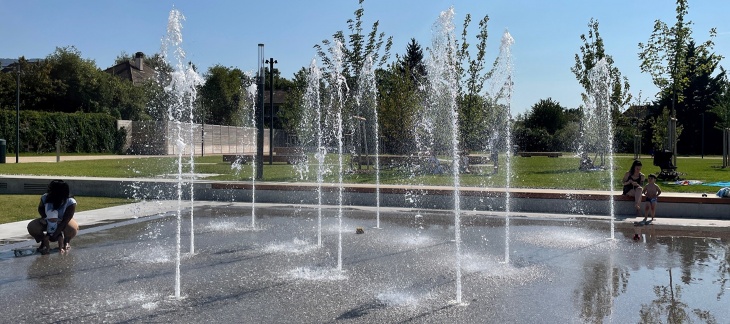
548,154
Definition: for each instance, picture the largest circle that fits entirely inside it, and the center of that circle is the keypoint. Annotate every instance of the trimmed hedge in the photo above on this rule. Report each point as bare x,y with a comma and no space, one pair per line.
78,132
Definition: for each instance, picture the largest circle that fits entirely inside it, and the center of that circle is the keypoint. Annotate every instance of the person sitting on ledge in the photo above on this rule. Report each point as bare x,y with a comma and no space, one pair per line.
632,182
58,202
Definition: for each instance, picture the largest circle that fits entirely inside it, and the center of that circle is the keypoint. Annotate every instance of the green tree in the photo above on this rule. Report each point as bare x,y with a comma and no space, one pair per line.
77,83
398,103
413,62
546,114
475,110
290,113
36,86
221,96
356,48
704,86
65,82
721,104
659,125
591,52
663,56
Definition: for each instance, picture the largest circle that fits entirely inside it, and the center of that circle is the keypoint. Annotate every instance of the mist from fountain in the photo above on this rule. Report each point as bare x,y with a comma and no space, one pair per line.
182,92
598,122
503,73
441,105
337,100
367,102
249,92
311,134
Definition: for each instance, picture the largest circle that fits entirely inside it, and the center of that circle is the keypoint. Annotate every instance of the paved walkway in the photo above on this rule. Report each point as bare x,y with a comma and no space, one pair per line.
28,159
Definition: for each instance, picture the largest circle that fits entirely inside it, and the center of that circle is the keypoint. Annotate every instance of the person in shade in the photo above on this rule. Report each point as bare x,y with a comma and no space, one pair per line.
55,224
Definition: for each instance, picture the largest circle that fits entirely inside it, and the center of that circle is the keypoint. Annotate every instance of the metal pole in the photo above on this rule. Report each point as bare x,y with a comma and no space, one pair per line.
725,147
260,118
17,120
271,62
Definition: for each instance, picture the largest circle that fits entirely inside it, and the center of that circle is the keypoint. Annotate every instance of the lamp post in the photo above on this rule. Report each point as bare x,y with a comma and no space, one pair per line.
17,119
260,117
271,61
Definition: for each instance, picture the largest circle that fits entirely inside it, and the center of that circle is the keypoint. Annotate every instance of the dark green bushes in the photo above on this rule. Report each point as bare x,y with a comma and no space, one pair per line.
77,132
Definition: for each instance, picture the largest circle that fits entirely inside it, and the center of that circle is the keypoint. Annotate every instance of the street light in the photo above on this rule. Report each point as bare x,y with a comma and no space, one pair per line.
17,119
271,62
260,117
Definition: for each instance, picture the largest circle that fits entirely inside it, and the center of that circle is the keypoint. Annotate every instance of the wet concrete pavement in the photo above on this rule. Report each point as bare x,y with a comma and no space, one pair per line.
561,269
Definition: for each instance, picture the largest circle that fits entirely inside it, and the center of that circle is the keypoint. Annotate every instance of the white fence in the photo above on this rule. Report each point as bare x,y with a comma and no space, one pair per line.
160,138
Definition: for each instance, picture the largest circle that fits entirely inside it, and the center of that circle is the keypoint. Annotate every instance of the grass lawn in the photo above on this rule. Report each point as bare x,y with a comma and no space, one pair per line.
24,207
533,172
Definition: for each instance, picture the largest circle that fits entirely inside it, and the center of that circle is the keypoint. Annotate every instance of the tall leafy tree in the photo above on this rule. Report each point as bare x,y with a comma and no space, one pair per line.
412,61
666,57
591,52
540,127
356,48
475,110
65,82
76,84
398,103
291,111
546,114
721,104
663,56
221,96
703,86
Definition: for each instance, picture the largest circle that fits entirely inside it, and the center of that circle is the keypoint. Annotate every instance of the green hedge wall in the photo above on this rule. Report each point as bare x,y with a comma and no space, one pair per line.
78,132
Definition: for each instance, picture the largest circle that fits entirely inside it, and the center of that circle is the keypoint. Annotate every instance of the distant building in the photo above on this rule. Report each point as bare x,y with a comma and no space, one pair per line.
134,70
9,65
635,112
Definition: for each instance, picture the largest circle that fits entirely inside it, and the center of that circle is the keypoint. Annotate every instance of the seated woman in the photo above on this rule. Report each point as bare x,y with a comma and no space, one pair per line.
58,202
632,182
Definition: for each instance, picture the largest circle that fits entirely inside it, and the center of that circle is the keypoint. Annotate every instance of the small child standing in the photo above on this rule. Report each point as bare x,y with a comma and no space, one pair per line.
652,192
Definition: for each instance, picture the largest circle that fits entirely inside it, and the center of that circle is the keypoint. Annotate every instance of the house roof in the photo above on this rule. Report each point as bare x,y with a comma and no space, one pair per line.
635,111
8,65
129,71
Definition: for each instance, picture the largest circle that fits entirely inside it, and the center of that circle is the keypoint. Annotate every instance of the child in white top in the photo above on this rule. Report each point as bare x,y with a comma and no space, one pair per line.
52,221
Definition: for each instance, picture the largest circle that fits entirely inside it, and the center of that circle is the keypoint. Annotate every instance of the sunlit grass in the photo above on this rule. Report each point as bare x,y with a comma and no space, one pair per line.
24,207
533,172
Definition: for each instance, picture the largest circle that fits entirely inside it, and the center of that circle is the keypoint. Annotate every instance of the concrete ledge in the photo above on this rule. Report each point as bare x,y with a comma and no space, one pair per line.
580,202
571,202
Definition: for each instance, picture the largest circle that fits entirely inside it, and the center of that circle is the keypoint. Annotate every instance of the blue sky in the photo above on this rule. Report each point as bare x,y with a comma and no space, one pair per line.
546,33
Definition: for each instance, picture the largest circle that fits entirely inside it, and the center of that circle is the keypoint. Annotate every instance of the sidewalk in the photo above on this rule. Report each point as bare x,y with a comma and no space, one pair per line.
30,159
